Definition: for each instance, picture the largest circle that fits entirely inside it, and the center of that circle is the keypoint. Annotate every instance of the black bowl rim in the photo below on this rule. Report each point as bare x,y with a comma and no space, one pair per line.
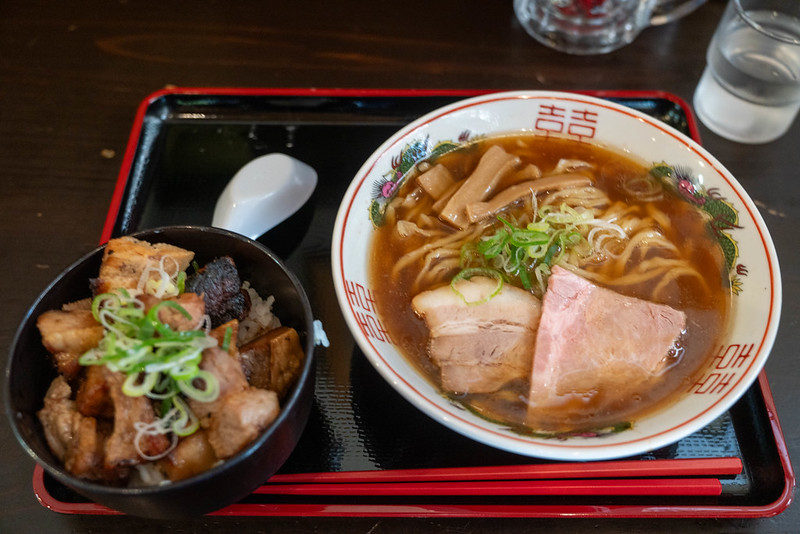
58,472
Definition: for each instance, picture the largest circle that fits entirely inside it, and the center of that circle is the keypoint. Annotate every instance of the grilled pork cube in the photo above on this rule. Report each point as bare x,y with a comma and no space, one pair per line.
479,342
192,303
126,259
219,284
193,455
592,339
240,411
59,417
231,379
86,453
242,416
94,398
83,304
76,440
68,334
67,364
273,360
121,447
219,333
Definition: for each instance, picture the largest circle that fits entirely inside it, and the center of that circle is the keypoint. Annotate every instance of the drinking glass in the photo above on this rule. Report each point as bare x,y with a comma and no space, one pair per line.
750,89
595,26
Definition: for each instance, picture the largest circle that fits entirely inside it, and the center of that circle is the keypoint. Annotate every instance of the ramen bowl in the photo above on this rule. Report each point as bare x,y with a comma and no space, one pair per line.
30,372
751,275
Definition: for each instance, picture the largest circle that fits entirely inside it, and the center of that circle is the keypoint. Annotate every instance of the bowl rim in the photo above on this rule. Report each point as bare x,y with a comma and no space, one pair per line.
58,471
518,444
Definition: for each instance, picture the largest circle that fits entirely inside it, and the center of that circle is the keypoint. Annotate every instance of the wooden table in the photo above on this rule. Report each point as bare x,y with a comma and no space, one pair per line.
73,74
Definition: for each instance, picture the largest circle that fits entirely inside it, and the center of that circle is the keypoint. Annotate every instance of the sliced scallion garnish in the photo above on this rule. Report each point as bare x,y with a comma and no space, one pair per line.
527,252
466,274
158,362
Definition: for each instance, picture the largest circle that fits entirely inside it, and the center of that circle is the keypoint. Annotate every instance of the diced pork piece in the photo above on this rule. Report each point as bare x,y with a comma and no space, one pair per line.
240,412
273,360
121,447
59,417
193,455
86,453
480,341
221,332
231,379
192,303
94,398
67,364
83,304
67,335
76,440
125,259
492,167
242,416
220,286
592,339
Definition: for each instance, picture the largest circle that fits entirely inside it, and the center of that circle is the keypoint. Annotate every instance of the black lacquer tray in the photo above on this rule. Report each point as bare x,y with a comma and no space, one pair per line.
185,146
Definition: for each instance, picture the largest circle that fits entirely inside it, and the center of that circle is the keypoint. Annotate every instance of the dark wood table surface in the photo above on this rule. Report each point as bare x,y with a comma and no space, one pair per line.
73,73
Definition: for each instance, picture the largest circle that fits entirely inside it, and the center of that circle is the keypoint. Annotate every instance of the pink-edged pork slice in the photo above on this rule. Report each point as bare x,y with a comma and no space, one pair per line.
592,339
479,341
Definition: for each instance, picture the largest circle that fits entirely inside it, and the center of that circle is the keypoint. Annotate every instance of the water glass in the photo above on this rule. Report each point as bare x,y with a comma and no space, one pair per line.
750,89
595,26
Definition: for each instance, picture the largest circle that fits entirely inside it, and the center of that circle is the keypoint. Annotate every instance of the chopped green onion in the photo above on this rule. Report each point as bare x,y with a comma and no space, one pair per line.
134,387
494,245
226,341
524,278
527,253
158,362
208,393
181,282
186,422
551,252
522,238
466,274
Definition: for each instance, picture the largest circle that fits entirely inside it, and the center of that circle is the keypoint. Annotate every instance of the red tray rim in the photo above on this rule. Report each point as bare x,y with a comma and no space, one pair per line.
47,500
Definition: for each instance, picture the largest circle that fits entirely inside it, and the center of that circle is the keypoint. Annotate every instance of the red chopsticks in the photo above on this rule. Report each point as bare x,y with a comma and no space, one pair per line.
625,486
612,469
627,477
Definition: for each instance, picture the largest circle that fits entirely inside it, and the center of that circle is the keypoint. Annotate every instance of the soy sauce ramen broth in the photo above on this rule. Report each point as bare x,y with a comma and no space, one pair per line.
706,309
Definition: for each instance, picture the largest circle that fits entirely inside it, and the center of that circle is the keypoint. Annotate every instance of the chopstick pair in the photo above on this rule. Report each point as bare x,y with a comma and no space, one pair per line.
637,477
612,487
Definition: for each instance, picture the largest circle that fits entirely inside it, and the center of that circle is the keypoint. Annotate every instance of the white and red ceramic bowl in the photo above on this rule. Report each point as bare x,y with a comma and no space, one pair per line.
756,302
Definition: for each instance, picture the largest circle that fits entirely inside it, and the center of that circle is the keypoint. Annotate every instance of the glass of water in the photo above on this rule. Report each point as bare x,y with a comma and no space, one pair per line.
750,89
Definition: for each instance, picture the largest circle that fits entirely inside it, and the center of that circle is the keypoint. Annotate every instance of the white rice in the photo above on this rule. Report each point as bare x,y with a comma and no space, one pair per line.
260,317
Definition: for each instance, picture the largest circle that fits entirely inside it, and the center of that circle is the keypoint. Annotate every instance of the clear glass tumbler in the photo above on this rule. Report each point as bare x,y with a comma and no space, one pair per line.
750,88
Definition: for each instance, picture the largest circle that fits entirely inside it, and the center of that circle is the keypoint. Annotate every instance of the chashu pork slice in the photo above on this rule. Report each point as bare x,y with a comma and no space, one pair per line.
592,339
479,343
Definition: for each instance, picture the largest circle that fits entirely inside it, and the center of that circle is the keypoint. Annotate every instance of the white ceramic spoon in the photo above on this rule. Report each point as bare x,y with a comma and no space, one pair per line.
263,193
